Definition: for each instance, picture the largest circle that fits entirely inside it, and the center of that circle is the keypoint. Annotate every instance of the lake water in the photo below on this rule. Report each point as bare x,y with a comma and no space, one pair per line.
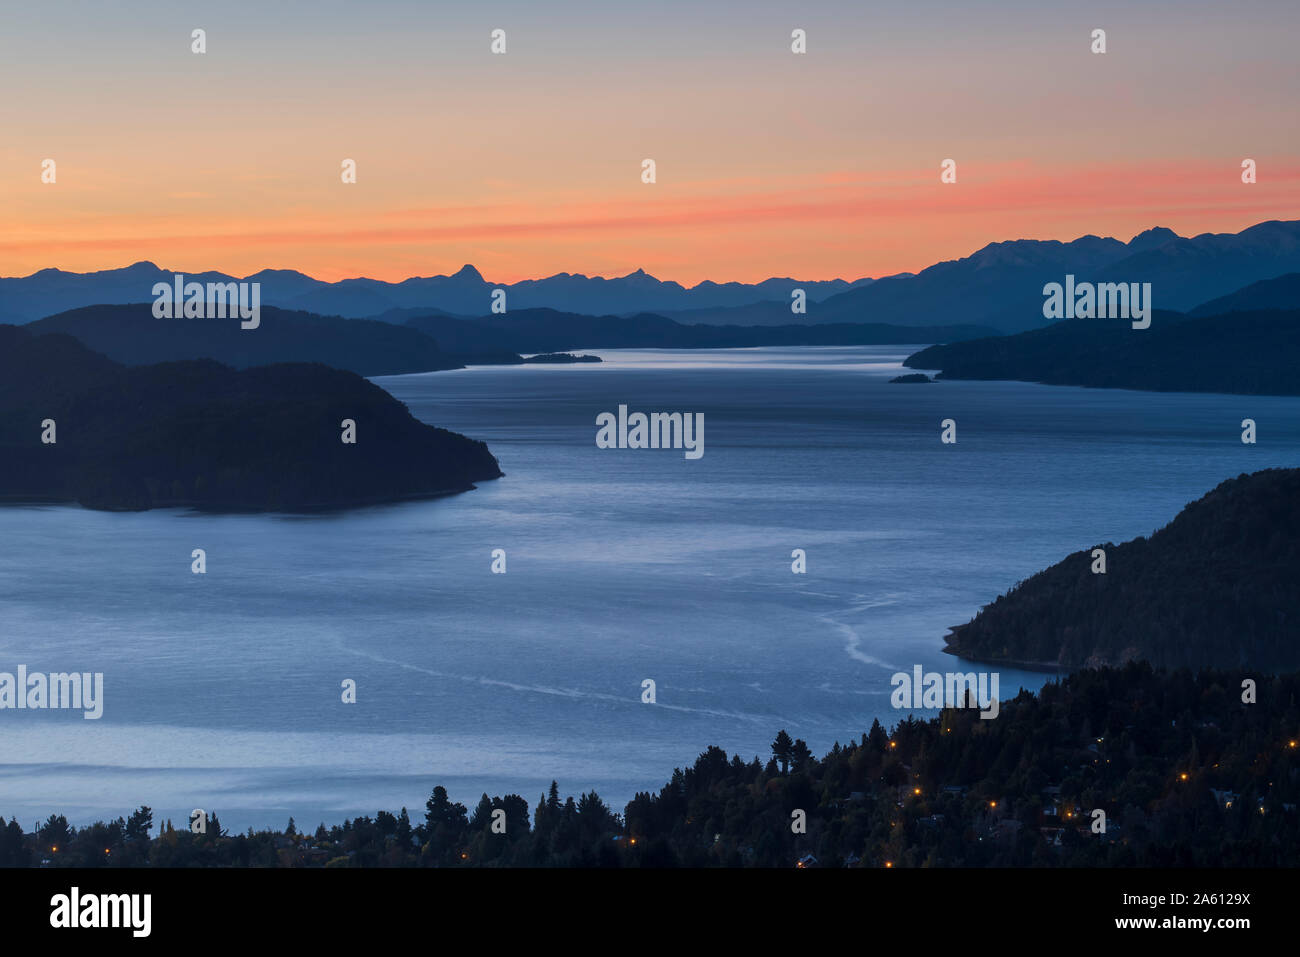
222,691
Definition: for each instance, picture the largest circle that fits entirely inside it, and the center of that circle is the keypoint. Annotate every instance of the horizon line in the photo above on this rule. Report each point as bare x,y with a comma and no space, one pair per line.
635,272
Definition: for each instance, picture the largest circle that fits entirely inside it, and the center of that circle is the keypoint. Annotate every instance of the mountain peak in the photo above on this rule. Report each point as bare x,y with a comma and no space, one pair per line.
468,272
1152,238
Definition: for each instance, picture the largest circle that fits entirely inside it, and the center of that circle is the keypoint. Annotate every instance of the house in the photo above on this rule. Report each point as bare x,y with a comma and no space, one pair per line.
806,862
1224,797
852,860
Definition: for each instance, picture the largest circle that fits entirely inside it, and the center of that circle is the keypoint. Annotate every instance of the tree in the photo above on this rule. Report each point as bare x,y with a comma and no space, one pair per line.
139,823
440,812
801,756
12,851
482,817
446,826
781,750
403,831
54,832
878,739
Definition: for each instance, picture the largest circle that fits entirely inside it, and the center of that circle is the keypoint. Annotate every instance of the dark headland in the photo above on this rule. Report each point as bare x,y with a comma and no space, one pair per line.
200,434
1216,587
133,336
1247,353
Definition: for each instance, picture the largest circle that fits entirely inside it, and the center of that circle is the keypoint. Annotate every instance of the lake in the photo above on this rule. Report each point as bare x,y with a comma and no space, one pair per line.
222,691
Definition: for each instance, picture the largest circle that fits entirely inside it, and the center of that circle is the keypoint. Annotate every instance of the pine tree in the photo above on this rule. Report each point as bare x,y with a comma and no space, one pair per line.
781,749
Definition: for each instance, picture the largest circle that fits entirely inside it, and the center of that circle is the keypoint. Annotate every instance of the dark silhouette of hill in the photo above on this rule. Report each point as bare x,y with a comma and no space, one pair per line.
546,330
1001,285
132,335
200,434
1216,587
1280,293
1250,353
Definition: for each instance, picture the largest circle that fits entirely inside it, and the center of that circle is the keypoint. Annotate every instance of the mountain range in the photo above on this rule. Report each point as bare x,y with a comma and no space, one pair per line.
466,292
999,286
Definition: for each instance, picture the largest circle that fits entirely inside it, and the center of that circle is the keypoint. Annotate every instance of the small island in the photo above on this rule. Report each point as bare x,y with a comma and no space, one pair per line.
911,377
558,357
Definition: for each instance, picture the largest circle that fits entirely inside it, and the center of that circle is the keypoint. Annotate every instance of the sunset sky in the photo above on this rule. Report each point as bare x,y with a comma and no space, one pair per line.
814,166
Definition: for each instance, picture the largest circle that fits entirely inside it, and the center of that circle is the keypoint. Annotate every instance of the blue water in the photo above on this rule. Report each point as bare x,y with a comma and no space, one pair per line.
223,691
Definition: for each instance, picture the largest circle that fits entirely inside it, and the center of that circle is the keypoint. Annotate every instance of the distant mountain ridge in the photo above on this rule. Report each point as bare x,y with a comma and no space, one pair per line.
999,286
1280,293
466,292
